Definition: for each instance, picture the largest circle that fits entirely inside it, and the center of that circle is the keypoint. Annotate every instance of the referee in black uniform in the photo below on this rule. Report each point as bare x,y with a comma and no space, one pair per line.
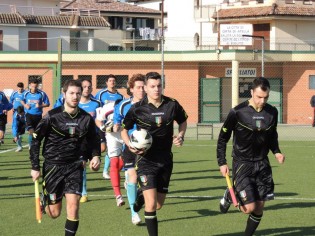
254,127
70,140
155,113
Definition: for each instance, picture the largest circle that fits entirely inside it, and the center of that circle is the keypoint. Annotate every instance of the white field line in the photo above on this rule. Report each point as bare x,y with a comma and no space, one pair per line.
169,196
13,149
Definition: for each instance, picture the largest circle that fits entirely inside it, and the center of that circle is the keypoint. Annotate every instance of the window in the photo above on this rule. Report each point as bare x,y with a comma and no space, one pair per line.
116,22
37,41
289,1
197,3
312,82
81,77
307,2
1,40
197,40
121,81
65,78
260,1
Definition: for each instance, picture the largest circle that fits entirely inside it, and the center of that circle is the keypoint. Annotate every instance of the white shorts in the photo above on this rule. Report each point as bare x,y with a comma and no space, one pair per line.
114,144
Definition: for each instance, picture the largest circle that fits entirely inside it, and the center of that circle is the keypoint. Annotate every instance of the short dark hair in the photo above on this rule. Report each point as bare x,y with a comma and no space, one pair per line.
33,81
152,75
111,76
85,79
20,85
262,83
20,109
71,82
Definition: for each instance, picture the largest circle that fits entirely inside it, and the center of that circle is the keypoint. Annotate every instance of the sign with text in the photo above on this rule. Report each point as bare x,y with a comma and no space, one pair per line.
232,34
242,72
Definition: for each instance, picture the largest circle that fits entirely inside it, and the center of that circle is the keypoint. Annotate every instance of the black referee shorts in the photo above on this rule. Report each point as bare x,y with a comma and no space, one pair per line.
32,120
152,174
129,158
253,181
3,121
61,179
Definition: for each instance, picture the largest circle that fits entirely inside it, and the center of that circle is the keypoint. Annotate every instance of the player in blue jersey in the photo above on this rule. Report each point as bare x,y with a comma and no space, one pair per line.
5,106
17,96
60,101
88,104
109,94
18,127
136,86
34,101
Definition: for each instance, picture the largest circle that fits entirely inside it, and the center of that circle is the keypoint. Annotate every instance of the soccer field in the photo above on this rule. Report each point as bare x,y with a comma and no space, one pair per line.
191,207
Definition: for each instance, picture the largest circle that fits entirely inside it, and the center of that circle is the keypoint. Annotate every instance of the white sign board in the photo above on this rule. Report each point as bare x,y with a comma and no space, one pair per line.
232,34
242,72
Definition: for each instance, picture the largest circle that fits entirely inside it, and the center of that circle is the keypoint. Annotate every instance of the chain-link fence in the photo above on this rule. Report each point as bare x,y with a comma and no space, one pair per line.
201,80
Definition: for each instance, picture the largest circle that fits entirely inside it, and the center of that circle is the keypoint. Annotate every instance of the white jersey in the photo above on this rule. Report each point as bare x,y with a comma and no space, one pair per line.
113,139
106,112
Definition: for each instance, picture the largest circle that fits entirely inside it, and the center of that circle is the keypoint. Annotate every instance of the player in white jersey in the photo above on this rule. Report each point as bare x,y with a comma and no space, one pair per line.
104,120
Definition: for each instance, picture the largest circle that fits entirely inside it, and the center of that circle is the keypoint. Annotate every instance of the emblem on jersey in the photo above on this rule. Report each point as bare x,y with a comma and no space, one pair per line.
258,124
52,197
158,121
243,195
144,180
71,131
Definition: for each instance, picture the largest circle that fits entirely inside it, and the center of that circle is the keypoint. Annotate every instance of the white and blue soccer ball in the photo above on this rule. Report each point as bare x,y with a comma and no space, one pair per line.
140,139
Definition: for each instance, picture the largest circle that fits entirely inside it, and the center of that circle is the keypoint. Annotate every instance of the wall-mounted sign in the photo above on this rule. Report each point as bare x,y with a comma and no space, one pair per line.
242,72
232,34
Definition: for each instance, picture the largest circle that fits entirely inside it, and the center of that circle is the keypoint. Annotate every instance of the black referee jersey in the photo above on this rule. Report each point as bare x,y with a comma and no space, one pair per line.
67,138
159,121
254,133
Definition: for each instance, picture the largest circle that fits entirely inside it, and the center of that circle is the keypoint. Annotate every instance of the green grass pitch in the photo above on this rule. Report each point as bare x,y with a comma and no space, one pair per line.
191,207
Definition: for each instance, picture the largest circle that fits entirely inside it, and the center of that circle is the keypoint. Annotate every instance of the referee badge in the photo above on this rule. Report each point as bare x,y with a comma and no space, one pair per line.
258,124
144,180
158,121
243,195
71,131
52,197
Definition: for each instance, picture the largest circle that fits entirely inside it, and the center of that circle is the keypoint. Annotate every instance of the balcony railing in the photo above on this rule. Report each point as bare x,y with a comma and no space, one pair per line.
30,10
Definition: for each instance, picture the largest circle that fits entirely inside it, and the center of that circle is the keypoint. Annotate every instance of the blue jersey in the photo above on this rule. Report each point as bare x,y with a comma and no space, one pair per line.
121,110
60,101
90,106
106,96
32,99
16,99
4,103
18,124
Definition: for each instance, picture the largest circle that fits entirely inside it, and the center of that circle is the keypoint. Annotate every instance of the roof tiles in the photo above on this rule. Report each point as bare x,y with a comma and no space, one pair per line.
265,11
67,21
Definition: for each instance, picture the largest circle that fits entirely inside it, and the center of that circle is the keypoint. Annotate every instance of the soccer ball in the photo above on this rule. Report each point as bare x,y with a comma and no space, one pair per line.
140,139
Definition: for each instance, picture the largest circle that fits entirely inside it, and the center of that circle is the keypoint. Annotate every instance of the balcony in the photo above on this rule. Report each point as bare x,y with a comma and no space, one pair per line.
30,10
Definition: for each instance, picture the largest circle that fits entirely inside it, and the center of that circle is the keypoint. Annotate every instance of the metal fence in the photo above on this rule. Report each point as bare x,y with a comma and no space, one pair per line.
198,79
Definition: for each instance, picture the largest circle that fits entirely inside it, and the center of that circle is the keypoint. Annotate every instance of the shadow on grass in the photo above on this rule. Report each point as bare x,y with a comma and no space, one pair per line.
190,161
200,212
16,196
16,178
194,171
15,163
195,190
291,205
196,178
18,185
288,231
